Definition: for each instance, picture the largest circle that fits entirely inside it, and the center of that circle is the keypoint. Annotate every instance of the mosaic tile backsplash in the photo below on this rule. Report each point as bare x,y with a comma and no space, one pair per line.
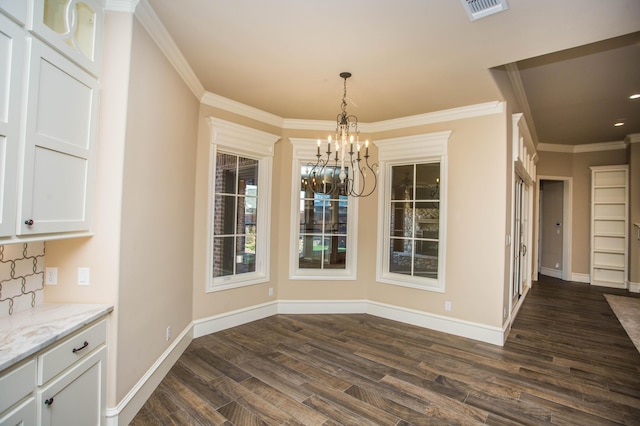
21,277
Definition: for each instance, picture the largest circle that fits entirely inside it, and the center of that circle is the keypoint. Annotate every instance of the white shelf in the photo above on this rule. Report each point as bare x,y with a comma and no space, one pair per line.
609,225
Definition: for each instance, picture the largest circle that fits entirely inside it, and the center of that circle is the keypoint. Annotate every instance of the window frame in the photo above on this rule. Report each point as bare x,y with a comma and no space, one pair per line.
304,152
410,150
234,139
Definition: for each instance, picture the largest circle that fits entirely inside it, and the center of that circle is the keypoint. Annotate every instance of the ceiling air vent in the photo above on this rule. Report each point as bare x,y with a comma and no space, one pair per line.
477,9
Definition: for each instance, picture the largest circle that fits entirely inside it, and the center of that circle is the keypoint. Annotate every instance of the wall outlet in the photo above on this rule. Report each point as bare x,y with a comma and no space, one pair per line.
447,306
270,291
168,333
51,276
83,276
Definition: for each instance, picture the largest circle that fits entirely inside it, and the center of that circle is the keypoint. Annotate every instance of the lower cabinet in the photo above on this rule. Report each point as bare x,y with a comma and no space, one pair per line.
76,397
63,384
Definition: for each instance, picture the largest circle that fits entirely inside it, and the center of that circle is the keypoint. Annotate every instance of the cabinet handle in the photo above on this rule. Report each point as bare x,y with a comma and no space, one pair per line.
48,401
84,345
28,222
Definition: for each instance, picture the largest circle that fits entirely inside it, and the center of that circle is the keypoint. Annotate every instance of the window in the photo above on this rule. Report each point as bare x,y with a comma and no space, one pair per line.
240,170
412,212
323,232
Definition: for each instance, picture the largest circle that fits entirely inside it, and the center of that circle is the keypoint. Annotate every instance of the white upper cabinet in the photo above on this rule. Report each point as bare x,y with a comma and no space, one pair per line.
74,27
12,41
62,106
50,59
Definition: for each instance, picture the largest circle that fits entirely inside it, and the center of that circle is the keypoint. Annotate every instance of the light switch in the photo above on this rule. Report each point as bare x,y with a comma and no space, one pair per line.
83,276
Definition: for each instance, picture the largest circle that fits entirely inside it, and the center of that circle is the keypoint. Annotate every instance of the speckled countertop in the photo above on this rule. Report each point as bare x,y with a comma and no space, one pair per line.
25,333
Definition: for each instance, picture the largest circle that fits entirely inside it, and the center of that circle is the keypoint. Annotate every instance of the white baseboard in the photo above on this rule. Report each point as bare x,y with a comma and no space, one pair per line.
322,306
633,287
220,322
125,411
458,327
580,278
554,273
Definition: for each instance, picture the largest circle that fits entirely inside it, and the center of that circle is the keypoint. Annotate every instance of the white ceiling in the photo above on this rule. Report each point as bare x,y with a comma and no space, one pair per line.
411,57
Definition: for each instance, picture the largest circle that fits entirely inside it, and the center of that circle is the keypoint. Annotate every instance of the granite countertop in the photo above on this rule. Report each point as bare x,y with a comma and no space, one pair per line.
25,333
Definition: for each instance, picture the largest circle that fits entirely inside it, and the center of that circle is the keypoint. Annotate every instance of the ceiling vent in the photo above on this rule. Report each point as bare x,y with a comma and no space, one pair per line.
477,9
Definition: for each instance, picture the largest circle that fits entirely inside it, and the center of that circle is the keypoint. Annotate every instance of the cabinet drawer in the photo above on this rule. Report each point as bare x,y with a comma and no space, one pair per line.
16,385
73,349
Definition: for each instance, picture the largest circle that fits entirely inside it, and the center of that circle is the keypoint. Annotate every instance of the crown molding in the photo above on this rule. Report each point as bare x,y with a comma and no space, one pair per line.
488,108
477,110
150,21
121,5
521,95
577,149
632,138
230,105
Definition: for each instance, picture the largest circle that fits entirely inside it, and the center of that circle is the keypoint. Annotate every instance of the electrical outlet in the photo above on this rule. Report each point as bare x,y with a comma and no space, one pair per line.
51,276
447,306
270,291
168,333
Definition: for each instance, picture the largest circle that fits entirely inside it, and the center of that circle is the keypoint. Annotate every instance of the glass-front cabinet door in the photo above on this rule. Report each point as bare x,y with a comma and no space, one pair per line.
74,27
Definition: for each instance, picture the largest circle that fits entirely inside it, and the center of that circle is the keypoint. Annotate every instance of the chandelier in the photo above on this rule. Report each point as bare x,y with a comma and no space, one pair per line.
345,171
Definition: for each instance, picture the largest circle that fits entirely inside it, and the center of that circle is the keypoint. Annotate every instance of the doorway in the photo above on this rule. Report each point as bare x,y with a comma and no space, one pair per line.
554,227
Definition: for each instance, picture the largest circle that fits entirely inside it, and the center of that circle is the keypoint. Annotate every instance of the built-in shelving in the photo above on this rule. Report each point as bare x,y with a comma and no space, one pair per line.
609,225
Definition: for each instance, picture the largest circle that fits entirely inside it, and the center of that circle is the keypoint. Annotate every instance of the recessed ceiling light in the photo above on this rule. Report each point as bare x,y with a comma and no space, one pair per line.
635,96
619,123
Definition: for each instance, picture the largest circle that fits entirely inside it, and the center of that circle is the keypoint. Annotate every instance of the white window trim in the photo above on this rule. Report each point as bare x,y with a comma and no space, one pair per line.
304,152
244,141
423,148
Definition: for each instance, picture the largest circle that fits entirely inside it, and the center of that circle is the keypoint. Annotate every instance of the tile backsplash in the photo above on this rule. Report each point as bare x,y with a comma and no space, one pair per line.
21,276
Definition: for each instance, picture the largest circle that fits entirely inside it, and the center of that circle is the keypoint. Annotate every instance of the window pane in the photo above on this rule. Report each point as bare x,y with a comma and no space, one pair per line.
402,182
335,252
426,260
400,256
247,214
401,219
427,220
307,213
248,176
226,167
223,256
224,212
245,253
310,252
428,181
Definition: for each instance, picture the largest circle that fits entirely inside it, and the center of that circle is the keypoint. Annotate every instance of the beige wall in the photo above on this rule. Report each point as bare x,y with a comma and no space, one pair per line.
156,259
141,254
577,166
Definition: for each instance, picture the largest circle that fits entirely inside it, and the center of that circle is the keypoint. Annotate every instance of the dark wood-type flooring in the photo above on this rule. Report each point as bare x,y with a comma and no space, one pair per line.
567,361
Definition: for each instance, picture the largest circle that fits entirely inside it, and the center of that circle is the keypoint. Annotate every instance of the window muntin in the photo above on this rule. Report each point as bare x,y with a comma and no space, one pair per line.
414,220
322,235
235,215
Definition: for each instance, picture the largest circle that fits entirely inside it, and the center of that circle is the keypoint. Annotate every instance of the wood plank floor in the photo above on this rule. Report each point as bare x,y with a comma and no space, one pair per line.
567,361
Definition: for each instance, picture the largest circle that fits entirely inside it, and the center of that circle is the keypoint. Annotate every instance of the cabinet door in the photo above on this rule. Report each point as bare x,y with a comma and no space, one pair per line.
77,397
23,415
58,174
73,27
12,42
